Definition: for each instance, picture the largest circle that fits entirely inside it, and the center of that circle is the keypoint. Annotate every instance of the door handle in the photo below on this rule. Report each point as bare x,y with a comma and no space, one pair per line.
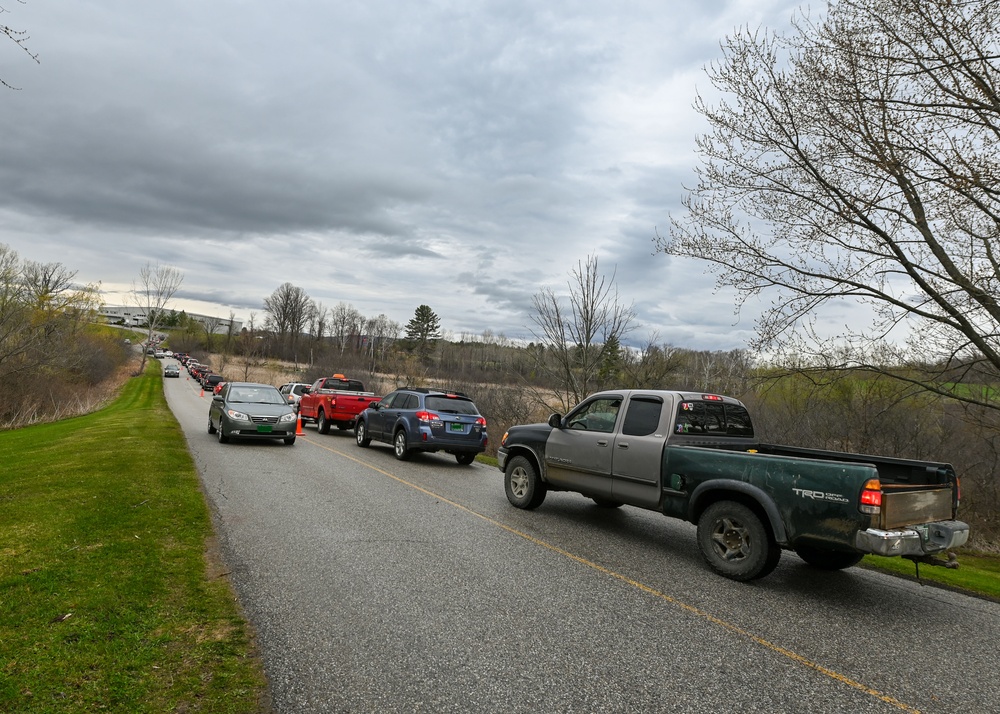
602,442
622,444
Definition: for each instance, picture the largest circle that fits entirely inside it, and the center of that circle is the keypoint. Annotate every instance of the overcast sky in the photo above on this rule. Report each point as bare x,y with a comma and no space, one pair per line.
453,153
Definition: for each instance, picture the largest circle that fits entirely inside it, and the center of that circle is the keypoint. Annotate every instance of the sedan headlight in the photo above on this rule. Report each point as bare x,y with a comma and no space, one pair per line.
288,417
239,416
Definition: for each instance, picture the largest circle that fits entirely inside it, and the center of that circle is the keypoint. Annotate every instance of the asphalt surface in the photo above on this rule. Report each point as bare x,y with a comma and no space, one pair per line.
383,586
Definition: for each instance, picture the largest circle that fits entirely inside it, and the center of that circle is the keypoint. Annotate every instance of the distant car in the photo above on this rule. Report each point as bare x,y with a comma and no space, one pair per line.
211,381
171,370
293,392
418,419
247,410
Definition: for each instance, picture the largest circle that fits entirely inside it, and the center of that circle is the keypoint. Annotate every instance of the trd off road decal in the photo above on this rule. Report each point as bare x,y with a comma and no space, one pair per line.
820,495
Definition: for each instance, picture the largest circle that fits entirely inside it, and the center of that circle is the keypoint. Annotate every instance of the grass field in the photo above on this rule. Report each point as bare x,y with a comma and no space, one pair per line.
105,604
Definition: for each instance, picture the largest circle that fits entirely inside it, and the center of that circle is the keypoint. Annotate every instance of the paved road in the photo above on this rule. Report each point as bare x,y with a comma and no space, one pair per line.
381,586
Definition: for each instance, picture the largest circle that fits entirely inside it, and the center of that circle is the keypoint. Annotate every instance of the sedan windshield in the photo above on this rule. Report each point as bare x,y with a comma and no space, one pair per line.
256,395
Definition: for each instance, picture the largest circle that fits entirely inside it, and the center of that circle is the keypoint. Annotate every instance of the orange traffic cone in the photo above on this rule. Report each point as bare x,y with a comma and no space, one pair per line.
202,392
298,426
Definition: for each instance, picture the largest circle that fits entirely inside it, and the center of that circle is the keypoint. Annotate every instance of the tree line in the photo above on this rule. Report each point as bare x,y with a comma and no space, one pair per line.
53,355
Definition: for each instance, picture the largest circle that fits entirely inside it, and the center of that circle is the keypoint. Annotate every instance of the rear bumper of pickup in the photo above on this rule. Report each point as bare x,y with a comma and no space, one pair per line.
924,539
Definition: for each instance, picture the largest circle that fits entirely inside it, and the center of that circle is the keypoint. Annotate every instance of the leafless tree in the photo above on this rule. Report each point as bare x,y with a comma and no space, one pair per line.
853,160
211,325
289,310
381,334
251,348
19,38
578,335
652,365
346,323
151,294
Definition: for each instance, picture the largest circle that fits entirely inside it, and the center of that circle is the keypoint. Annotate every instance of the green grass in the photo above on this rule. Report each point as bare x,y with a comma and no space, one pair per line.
105,603
977,573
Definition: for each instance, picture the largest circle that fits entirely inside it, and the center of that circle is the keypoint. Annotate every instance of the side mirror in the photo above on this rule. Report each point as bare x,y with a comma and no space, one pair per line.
555,421
306,390
374,405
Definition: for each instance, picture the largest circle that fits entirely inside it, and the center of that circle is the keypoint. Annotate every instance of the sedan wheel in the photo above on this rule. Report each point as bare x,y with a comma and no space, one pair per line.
223,439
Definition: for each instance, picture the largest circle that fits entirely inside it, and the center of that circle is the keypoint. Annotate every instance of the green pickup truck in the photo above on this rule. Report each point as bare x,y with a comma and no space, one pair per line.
694,456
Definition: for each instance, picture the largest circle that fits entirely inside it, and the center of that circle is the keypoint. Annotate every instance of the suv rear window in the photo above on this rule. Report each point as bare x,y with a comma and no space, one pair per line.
454,405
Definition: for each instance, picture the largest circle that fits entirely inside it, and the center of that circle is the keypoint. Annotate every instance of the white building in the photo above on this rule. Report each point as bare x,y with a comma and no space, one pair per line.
133,316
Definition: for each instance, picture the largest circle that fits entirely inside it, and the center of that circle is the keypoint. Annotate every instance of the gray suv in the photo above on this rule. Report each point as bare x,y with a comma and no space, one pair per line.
419,419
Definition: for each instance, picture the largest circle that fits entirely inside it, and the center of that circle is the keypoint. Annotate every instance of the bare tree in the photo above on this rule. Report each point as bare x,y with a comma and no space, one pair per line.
381,335
19,38
652,365
211,325
289,310
854,160
251,348
579,336
346,323
151,293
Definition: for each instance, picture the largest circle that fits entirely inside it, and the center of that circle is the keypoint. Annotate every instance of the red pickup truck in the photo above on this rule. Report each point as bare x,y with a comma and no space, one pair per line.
335,400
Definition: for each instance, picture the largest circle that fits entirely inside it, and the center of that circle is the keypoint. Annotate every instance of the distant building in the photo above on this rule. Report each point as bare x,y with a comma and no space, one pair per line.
132,316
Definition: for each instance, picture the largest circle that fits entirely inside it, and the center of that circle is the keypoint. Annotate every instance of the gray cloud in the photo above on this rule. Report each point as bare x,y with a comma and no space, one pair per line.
462,155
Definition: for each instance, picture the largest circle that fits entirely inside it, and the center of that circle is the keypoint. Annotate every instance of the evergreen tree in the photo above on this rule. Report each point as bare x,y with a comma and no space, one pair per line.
422,330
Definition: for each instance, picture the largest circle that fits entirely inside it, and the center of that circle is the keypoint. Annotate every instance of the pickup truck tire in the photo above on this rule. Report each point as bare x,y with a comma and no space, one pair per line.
322,425
828,559
399,446
522,484
735,542
361,435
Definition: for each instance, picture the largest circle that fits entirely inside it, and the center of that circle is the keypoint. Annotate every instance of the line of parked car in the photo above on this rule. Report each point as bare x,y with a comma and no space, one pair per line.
410,419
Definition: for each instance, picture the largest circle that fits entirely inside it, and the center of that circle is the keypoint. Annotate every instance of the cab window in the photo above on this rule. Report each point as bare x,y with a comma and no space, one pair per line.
642,416
598,415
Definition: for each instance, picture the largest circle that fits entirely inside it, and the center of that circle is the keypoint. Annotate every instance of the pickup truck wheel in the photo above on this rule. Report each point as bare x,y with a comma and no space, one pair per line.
522,484
465,459
322,425
361,434
399,446
735,543
828,559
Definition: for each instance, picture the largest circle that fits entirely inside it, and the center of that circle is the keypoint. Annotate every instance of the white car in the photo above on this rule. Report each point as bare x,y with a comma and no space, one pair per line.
293,391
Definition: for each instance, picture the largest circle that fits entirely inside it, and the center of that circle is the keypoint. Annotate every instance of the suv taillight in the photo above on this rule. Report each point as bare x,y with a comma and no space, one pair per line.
481,422
427,416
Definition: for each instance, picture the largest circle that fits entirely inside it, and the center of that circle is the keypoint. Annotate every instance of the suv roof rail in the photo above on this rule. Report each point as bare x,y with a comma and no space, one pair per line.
434,390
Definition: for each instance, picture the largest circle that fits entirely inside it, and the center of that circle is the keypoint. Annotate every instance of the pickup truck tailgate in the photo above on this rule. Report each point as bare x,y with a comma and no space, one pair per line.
913,507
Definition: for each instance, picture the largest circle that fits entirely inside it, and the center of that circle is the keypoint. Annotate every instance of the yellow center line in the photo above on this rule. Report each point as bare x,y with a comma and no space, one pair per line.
794,656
